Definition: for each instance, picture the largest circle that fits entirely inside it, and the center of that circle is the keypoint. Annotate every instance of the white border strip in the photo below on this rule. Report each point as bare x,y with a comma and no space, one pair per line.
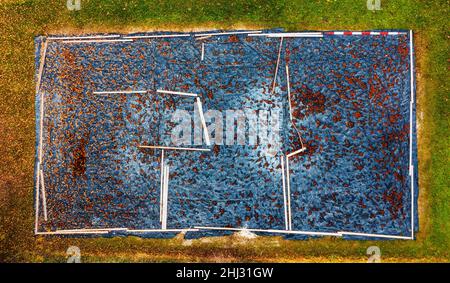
161,230
71,232
197,228
295,35
36,217
337,234
97,40
83,37
375,235
174,148
41,67
290,34
177,93
120,92
202,118
165,197
296,152
92,229
411,104
364,33
44,198
227,33
284,193
203,52
161,188
41,126
203,37
41,129
156,36
276,68
270,231
288,193
109,230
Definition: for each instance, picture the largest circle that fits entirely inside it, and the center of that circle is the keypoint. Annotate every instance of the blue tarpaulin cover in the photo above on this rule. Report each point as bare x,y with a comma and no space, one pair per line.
349,105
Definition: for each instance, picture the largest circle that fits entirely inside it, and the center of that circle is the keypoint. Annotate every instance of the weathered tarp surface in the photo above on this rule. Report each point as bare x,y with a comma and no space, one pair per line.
349,105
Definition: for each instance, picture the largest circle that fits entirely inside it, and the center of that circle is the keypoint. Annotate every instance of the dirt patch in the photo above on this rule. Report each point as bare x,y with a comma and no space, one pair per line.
79,157
424,118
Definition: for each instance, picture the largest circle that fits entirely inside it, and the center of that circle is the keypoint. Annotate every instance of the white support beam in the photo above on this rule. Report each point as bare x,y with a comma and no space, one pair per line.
161,187
203,52
374,235
227,33
83,37
156,36
161,230
276,68
288,181
202,118
36,216
284,194
97,41
44,197
120,91
411,126
165,197
296,152
289,34
177,93
270,231
173,148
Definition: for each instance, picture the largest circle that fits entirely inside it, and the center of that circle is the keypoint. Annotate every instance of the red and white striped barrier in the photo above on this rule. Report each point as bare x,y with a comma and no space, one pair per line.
383,33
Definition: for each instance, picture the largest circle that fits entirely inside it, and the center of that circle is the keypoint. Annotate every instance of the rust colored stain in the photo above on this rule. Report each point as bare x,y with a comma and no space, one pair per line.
395,199
216,150
79,158
233,38
313,103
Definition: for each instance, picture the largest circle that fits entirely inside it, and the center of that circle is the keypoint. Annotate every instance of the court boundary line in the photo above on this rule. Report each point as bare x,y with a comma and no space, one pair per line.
174,148
276,68
202,118
156,36
165,197
83,37
120,91
288,34
44,198
411,107
43,51
190,94
268,231
161,187
336,234
226,33
110,230
97,40
284,193
202,57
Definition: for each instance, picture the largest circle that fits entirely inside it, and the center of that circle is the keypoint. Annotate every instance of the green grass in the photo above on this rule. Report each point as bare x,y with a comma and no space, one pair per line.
20,21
